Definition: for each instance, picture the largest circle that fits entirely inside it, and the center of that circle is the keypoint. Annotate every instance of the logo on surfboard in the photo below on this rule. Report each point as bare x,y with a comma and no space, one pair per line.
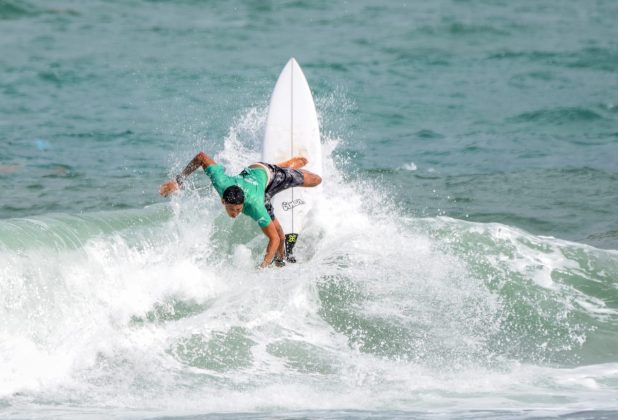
289,205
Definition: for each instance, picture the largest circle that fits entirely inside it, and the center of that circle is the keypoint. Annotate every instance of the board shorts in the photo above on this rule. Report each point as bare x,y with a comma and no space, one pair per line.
281,179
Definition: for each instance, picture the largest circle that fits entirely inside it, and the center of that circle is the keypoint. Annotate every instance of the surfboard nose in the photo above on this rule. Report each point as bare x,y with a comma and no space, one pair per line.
292,129
292,63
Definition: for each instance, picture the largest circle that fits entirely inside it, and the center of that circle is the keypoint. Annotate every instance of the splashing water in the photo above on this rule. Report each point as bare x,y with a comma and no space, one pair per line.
163,309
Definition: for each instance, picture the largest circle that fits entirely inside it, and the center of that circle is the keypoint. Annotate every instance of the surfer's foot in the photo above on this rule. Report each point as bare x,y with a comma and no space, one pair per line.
296,162
278,261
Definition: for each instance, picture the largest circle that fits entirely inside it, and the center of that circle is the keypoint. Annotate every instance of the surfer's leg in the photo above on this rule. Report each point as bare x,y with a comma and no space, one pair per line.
284,178
310,179
296,162
281,251
269,208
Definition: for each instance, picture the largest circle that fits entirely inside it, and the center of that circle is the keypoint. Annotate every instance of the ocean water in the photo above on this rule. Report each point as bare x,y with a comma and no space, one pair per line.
462,262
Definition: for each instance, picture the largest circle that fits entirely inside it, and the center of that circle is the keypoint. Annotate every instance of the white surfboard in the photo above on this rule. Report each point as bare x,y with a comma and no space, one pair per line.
292,129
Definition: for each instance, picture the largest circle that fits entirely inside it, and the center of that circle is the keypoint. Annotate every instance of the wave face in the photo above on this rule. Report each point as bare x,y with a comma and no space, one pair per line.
163,310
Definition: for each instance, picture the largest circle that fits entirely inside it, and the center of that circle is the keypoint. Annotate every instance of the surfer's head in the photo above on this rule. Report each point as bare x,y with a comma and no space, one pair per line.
233,200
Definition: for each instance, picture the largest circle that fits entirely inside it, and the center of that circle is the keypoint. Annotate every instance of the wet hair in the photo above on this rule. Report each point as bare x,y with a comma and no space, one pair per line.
233,195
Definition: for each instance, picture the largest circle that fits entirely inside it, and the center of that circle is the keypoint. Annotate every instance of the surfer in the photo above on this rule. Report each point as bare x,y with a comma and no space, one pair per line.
250,192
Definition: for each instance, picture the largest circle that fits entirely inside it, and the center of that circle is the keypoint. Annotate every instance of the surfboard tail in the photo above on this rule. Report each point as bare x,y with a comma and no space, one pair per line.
290,241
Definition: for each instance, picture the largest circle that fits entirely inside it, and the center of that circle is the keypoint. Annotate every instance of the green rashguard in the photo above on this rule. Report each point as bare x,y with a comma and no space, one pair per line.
252,181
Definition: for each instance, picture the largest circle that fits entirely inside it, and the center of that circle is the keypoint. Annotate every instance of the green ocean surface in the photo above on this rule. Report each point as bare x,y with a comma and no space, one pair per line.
463,263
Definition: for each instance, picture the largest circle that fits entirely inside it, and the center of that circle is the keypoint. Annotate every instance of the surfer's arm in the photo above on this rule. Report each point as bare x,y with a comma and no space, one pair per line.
201,160
273,243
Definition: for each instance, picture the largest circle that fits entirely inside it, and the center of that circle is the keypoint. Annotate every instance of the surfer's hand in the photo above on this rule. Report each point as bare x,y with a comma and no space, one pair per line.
168,188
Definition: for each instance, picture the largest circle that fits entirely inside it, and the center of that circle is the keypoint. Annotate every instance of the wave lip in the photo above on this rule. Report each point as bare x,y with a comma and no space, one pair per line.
62,231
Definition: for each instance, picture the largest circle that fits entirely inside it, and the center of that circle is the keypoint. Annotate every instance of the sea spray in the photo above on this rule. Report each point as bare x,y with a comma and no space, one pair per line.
164,308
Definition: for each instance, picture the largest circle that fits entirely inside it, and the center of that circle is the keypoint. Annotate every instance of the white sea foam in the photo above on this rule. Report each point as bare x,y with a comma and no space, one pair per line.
409,167
381,311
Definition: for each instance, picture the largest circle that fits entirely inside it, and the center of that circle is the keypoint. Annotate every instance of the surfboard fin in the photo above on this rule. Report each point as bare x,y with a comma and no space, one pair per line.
290,241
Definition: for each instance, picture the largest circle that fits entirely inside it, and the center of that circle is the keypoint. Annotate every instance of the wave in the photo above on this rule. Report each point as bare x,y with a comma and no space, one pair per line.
13,10
162,306
58,232
131,305
600,59
559,116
